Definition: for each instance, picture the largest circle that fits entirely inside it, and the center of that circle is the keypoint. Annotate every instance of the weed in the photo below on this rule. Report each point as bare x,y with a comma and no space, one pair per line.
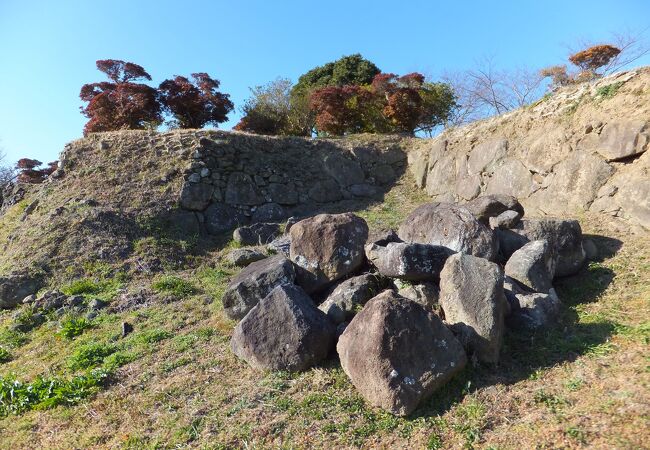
152,336
176,286
577,434
72,326
90,355
13,339
4,355
574,384
608,91
551,401
102,289
17,396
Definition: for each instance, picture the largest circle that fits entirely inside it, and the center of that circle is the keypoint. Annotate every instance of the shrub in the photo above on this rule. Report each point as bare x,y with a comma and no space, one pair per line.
90,355
196,103
74,326
593,58
558,75
17,396
176,286
608,91
29,171
268,109
120,103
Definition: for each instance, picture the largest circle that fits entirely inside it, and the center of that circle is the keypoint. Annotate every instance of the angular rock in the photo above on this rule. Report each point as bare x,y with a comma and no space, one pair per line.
342,304
472,297
408,261
564,236
425,293
254,283
269,213
505,220
242,257
280,245
196,196
532,310
624,138
492,206
220,218
284,194
485,154
325,192
345,171
15,287
397,354
327,247
241,190
256,234
511,177
533,266
284,331
451,226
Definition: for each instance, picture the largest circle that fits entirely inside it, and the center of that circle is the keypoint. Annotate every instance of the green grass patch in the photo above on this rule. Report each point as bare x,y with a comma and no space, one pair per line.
72,326
152,336
88,287
4,355
178,287
13,339
46,392
609,91
90,355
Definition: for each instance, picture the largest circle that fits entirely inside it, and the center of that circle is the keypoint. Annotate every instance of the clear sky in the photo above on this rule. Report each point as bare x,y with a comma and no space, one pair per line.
49,47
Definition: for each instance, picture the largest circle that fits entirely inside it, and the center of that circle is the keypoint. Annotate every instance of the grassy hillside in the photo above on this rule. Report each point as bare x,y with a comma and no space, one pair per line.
173,382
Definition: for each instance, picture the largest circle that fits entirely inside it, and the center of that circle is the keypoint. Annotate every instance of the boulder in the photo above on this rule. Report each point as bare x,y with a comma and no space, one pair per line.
345,171
408,261
269,213
284,194
564,237
397,354
196,196
15,287
487,206
472,297
254,283
325,191
505,220
284,331
624,138
256,234
451,226
242,257
533,266
425,293
327,247
485,154
532,310
220,218
342,304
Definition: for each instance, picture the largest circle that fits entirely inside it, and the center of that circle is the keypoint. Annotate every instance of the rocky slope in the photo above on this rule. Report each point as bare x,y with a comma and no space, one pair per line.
583,148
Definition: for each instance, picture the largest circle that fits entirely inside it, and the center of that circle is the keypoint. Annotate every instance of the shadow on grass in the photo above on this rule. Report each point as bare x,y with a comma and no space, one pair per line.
525,352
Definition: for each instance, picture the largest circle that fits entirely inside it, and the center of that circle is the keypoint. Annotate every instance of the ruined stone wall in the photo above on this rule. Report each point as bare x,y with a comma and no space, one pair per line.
234,178
582,149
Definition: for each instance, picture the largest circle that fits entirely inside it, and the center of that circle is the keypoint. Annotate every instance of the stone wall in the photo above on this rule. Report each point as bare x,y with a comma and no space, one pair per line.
235,178
575,151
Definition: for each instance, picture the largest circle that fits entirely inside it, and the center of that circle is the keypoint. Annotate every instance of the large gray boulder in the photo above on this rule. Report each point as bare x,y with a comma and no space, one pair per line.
408,261
472,297
564,237
284,331
327,247
196,196
397,354
493,205
530,310
15,287
269,213
241,190
533,265
254,283
451,226
342,304
426,293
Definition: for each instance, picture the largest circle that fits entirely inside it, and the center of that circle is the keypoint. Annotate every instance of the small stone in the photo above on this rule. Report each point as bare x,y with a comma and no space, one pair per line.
96,304
242,257
127,328
505,220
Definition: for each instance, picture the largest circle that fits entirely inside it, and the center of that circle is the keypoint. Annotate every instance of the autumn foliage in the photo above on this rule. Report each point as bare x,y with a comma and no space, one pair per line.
193,104
390,103
29,171
120,103
593,58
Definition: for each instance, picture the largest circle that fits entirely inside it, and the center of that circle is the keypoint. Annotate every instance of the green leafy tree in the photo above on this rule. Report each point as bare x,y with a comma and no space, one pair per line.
268,109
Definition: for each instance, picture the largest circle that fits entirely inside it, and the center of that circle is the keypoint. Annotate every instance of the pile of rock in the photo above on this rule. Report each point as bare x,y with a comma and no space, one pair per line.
405,312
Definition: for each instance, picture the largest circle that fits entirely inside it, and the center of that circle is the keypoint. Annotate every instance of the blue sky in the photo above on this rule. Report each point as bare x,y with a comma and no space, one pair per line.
49,47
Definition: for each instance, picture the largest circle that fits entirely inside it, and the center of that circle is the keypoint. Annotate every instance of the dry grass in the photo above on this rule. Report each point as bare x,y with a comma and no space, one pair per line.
582,384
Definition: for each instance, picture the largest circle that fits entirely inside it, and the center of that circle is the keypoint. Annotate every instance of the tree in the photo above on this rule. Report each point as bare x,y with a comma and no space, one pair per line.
593,58
268,110
6,172
196,103
29,170
352,70
340,109
558,75
120,103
